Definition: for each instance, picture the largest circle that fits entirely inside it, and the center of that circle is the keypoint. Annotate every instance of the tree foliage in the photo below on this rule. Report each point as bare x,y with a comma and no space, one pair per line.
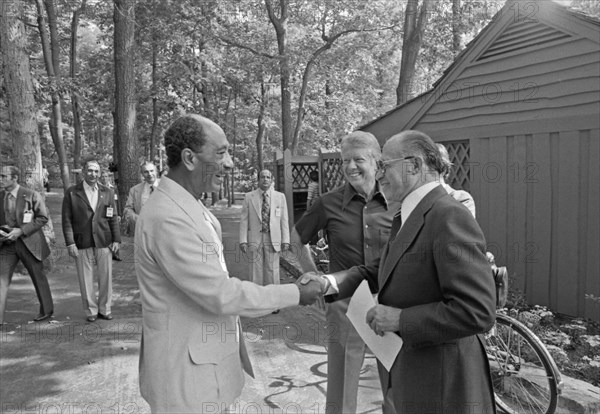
274,74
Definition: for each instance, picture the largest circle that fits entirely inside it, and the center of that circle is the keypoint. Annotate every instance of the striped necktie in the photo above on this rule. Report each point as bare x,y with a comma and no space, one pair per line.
265,213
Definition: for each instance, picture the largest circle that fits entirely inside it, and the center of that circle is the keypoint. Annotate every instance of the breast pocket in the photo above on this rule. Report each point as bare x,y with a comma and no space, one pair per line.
384,236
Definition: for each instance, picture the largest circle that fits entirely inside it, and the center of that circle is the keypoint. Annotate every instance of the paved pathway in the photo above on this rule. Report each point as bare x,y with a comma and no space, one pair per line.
69,366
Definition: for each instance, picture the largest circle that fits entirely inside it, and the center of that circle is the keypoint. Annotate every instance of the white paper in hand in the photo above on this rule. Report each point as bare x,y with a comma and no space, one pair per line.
384,347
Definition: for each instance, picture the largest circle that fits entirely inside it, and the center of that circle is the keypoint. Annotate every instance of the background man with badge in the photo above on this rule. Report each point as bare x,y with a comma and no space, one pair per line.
264,230
22,216
91,230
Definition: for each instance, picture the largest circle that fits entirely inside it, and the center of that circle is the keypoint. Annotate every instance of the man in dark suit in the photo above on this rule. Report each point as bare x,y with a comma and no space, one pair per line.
22,216
435,285
91,230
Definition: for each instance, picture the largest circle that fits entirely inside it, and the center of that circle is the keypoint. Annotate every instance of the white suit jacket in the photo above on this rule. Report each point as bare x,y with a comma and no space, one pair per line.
133,206
190,354
251,220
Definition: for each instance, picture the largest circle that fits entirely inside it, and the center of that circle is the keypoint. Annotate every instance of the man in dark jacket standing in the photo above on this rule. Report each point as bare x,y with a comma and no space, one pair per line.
91,230
22,216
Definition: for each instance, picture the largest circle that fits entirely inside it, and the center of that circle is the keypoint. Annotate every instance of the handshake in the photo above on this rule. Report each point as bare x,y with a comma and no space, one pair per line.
312,287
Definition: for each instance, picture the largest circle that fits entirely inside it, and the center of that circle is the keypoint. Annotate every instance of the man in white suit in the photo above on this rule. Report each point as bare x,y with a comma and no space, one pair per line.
140,193
192,354
264,230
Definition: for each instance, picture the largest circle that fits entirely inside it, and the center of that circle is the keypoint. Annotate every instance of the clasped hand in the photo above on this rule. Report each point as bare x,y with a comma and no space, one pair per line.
311,286
11,235
382,319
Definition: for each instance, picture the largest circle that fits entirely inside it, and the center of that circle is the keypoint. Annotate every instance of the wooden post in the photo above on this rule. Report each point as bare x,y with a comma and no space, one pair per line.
288,187
320,169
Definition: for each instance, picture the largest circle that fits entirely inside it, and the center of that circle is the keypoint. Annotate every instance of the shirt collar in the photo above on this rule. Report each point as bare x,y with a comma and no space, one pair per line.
88,187
350,192
15,191
414,198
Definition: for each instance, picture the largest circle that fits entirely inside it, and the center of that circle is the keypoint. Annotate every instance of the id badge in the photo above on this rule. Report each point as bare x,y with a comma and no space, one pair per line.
109,212
277,212
27,216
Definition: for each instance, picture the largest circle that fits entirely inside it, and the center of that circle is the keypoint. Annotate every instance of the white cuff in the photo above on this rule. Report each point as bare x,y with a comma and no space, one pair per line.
333,285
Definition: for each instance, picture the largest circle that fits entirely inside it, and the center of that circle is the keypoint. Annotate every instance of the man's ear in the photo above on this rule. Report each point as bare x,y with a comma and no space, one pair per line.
415,166
187,159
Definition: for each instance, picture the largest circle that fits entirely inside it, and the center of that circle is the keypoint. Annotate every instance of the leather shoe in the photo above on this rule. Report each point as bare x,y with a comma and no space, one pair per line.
91,318
107,317
275,312
43,317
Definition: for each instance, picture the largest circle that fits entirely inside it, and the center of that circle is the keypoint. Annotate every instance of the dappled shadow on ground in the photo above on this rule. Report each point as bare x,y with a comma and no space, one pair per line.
77,364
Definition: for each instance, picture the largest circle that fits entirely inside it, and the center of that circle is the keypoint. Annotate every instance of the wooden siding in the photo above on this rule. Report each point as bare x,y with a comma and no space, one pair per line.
538,203
542,84
526,95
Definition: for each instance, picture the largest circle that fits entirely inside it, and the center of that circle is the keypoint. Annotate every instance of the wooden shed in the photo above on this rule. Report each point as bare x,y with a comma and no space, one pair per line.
519,110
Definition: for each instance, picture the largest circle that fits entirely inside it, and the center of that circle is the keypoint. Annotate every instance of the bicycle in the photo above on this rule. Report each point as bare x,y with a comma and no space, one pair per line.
320,255
525,377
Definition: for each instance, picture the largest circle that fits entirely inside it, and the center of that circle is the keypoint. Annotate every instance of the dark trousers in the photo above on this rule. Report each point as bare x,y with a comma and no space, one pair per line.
10,254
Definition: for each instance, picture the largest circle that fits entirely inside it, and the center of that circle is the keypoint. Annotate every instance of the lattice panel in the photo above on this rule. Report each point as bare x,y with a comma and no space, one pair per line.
460,175
300,172
332,175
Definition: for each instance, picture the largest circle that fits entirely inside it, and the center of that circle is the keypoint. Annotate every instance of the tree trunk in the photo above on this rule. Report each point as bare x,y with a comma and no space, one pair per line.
125,143
74,95
20,94
456,27
232,187
48,49
280,25
54,41
155,112
261,127
411,44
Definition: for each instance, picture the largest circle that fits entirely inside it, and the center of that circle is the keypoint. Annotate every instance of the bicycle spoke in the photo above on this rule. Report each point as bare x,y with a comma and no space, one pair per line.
521,375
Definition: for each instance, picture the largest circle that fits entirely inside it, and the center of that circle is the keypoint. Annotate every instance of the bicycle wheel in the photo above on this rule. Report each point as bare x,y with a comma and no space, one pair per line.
523,374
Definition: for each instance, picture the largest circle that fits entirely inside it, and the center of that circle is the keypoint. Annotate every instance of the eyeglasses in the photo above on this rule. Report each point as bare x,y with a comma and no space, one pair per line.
382,165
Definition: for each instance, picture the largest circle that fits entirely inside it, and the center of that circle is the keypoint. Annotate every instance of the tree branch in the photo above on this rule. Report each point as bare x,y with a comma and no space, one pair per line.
246,47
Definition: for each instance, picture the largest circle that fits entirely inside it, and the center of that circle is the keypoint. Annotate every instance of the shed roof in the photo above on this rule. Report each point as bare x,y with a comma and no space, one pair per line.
546,22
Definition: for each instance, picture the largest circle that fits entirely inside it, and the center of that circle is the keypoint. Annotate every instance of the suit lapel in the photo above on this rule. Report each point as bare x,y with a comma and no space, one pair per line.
2,218
257,203
80,192
21,205
187,203
102,197
396,248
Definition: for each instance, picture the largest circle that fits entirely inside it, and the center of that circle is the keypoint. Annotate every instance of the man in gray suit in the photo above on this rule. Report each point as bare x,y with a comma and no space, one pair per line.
139,194
264,230
22,216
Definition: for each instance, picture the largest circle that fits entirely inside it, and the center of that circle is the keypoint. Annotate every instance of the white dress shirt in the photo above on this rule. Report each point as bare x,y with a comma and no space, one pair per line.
92,194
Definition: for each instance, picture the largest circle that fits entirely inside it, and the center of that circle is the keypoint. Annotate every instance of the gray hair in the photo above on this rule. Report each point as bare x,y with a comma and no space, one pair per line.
418,143
445,160
143,164
361,139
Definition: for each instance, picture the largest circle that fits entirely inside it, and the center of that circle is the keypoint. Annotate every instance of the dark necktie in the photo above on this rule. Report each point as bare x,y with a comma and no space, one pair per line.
396,224
151,189
9,209
265,213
